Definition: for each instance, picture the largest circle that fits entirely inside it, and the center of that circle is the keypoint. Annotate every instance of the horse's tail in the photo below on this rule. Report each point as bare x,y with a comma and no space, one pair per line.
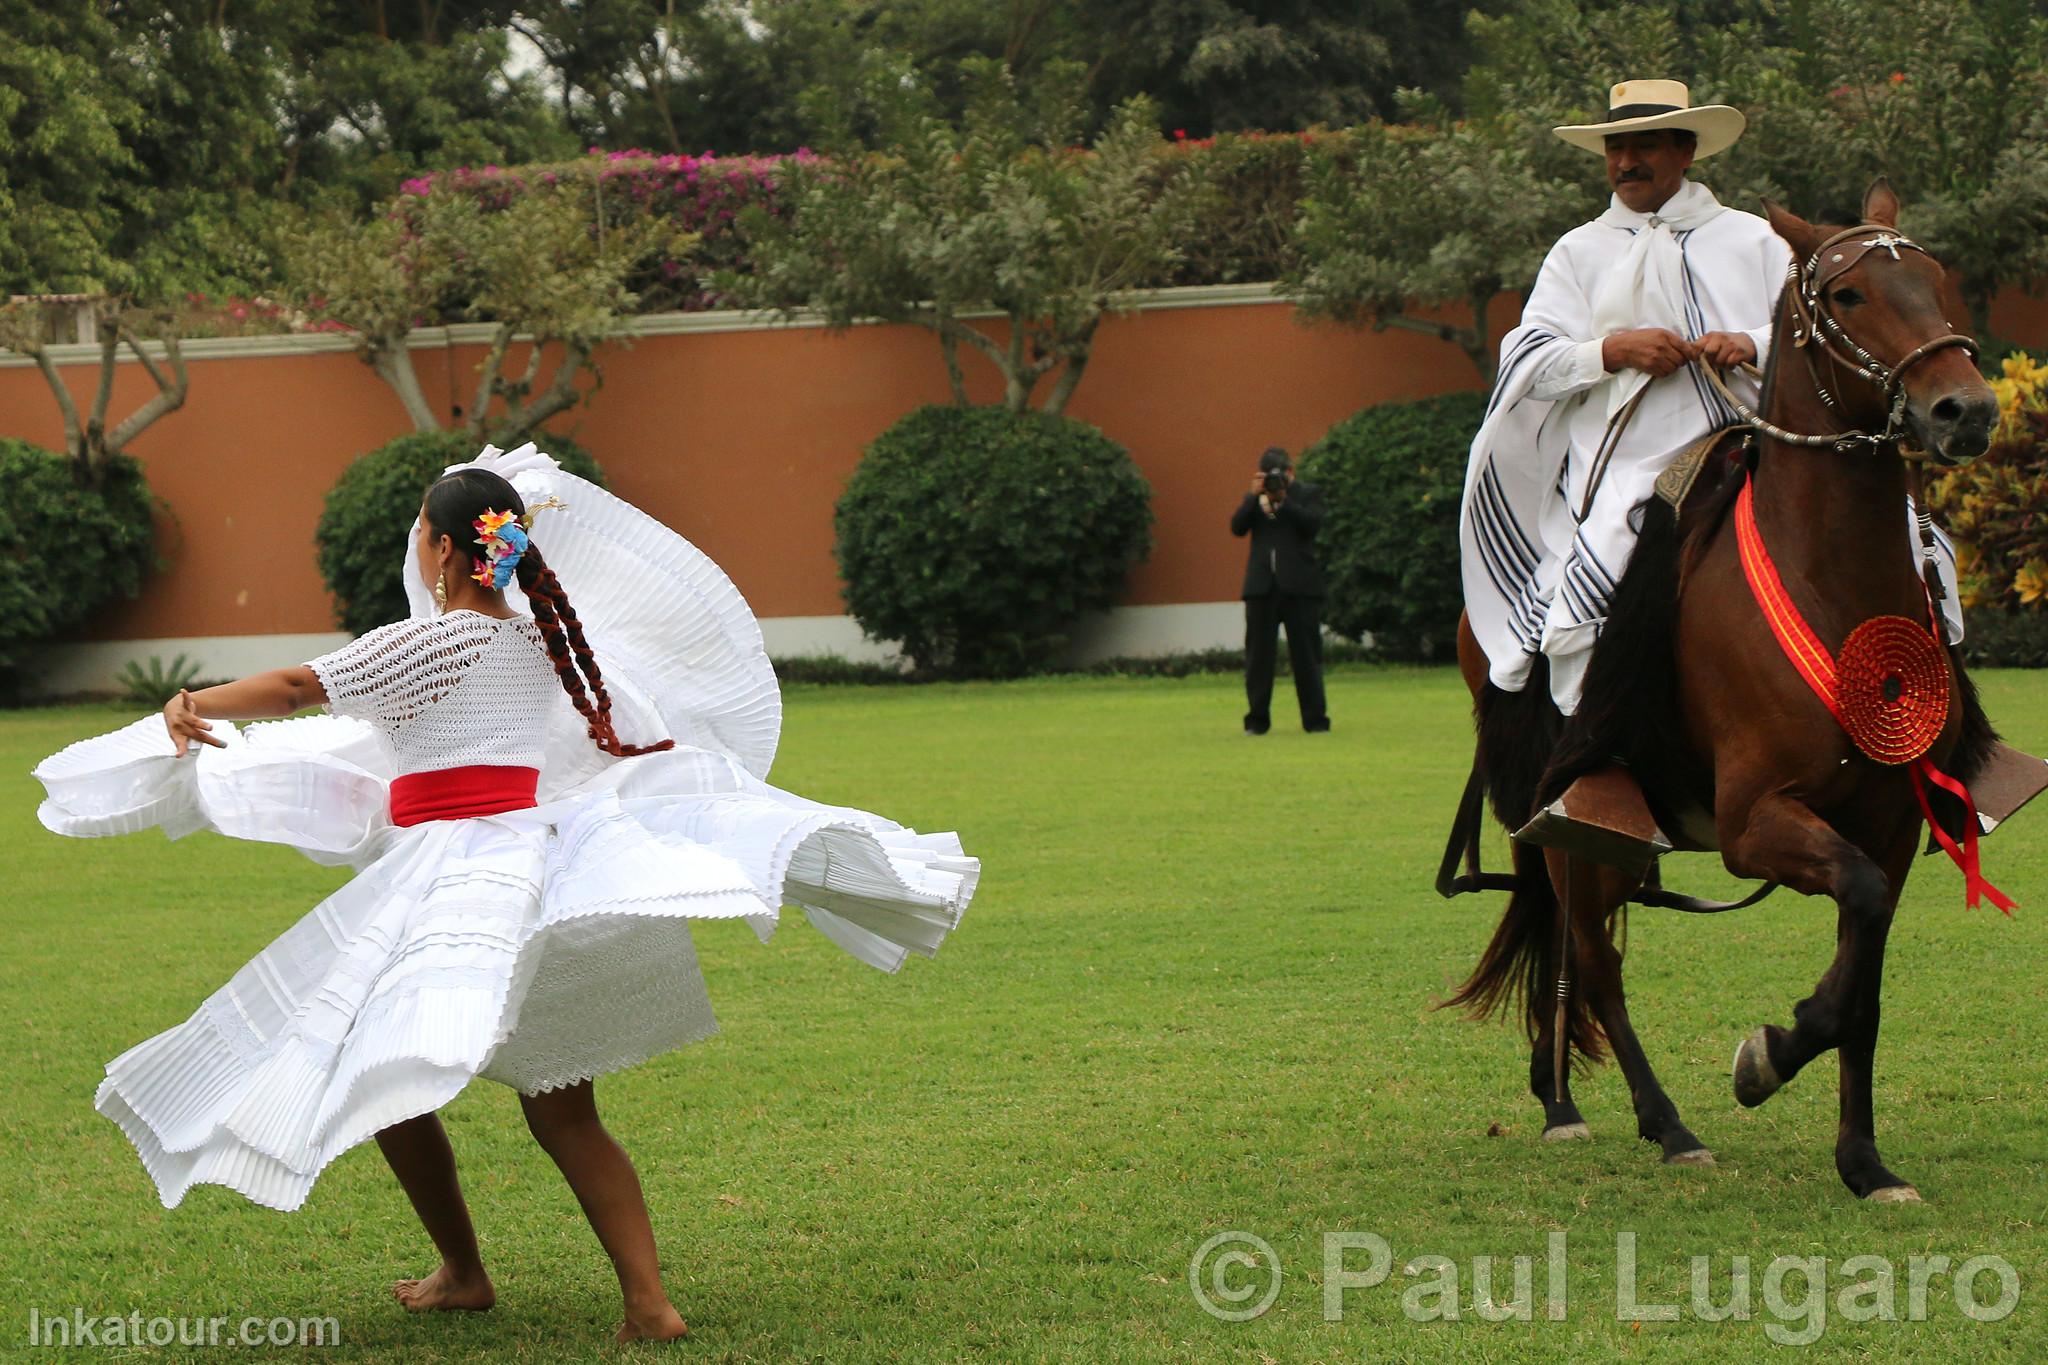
1517,731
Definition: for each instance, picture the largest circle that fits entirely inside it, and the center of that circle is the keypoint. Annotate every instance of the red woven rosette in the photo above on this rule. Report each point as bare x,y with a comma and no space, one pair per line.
1892,688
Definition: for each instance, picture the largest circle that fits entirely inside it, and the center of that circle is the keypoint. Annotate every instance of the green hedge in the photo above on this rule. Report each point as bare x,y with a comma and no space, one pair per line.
1392,476
68,549
369,513
976,536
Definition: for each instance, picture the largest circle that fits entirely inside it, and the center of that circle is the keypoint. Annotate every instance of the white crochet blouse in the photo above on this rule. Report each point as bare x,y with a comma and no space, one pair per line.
448,691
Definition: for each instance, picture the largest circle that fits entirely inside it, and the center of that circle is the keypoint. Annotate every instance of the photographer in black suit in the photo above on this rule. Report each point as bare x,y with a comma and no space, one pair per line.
1283,585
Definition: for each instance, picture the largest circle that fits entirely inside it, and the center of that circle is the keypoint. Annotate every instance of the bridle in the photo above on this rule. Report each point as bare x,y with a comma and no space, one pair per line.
1819,335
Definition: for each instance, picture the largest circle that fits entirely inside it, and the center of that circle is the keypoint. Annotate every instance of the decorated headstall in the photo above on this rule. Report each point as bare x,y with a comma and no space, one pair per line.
1815,327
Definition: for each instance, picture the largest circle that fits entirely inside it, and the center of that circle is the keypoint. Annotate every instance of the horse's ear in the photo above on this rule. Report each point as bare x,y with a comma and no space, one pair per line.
1881,203
1796,231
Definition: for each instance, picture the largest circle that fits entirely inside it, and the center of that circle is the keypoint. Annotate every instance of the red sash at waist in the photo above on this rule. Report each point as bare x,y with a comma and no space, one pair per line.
457,793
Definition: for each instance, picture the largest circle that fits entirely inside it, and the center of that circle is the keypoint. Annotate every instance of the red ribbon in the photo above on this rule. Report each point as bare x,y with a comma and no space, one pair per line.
1812,661
460,793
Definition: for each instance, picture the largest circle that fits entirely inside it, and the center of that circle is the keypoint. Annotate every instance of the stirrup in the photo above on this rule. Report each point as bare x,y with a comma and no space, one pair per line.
1603,818
2008,780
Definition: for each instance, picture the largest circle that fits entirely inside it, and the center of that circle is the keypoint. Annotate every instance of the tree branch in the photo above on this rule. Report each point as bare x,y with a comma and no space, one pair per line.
169,398
393,364
1017,385
1078,355
96,420
559,396
74,438
949,347
487,377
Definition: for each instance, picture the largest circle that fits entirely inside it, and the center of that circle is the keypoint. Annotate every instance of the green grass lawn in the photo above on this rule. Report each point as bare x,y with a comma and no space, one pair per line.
1193,996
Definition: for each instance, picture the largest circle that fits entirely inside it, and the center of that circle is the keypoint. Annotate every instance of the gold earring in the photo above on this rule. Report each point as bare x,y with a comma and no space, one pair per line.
441,590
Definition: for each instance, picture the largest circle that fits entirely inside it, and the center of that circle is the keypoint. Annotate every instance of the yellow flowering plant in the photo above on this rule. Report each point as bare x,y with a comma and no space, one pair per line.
1997,508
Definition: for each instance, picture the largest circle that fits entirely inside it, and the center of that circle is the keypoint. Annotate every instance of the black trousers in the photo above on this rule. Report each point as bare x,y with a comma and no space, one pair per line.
1263,617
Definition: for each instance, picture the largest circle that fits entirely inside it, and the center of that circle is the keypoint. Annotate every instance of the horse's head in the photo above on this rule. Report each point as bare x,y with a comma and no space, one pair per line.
1866,305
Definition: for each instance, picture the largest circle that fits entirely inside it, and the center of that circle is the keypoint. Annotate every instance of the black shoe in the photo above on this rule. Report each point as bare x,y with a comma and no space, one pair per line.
1256,730
1321,727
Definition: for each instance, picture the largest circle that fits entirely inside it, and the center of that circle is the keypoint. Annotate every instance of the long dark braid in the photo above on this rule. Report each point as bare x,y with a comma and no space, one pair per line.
453,505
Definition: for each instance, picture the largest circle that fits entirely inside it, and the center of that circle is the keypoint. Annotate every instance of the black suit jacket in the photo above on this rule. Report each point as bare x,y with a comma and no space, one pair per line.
1283,555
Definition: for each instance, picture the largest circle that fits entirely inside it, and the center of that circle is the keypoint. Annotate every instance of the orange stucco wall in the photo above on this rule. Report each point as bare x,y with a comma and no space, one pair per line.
742,441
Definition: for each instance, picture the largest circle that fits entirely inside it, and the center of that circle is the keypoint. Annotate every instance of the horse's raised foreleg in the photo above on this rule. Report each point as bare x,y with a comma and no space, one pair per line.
1596,892
1786,842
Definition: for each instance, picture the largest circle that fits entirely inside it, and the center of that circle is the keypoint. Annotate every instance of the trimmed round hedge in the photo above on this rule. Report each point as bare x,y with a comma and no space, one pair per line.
976,536
369,513
1392,477
69,548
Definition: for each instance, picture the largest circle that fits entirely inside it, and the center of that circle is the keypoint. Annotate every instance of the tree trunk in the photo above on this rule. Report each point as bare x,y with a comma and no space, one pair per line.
1977,299
170,396
74,430
1480,347
1017,385
949,346
559,396
487,378
1466,339
1079,351
393,364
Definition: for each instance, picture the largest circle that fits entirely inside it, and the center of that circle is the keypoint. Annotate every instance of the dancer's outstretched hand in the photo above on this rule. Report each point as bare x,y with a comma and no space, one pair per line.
185,723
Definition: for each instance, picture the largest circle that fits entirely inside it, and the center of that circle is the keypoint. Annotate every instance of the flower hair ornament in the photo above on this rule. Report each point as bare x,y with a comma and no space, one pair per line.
503,536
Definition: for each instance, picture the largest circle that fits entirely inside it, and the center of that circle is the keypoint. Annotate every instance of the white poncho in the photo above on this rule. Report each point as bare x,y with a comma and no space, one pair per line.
1536,576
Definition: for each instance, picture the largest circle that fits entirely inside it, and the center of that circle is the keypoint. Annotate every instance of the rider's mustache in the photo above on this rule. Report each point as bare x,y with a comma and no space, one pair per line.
1625,177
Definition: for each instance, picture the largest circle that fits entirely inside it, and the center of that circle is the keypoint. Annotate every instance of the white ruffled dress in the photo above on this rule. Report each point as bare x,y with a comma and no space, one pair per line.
539,947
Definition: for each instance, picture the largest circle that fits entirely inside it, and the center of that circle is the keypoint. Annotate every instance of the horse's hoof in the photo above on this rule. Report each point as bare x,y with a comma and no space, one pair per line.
1894,1194
1698,1156
1568,1132
1756,1080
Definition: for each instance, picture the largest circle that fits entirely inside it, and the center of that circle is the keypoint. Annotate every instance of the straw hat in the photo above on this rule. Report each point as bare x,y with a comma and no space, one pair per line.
1641,106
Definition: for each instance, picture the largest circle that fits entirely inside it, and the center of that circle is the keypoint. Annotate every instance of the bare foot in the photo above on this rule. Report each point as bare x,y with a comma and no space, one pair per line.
661,1323
445,1289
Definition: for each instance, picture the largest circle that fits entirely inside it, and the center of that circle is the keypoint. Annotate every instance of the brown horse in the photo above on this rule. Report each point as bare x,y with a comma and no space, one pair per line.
1690,691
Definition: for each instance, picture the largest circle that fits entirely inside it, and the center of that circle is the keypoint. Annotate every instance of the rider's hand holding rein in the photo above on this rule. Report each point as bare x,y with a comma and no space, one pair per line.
261,696
1657,351
1726,350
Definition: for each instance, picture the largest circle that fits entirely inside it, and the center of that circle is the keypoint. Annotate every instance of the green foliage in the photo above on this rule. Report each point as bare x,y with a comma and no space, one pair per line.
1994,638
1949,98
1002,214
156,684
1439,211
549,262
1993,506
1392,476
69,548
1250,187
976,536
369,511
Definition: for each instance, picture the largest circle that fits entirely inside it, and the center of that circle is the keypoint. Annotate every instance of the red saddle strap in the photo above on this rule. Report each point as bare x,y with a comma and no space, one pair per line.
460,793
1811,659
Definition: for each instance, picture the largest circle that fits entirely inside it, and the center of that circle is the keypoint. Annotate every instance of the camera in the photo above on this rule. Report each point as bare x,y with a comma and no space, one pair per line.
1276,482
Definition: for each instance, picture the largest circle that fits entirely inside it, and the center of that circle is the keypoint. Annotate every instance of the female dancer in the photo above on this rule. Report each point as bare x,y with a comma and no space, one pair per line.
526,877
